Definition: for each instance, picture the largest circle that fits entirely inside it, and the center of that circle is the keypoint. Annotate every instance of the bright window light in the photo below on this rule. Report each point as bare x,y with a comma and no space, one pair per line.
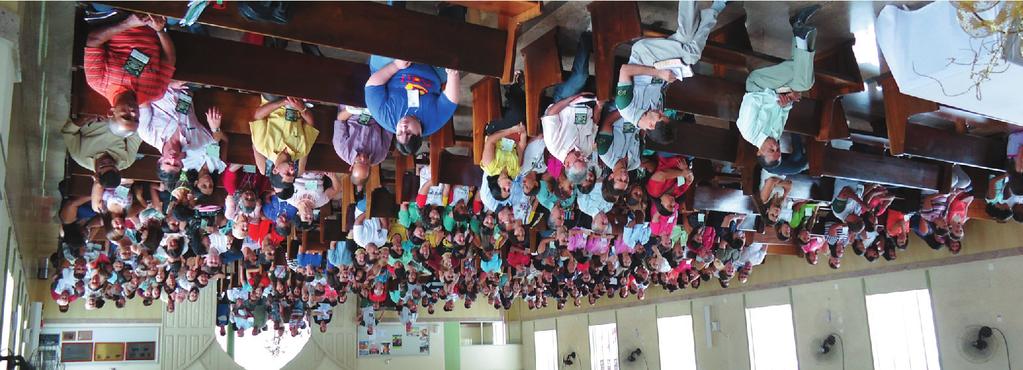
546,346
902,333
772,339
676,343
500,333
604,347
5,342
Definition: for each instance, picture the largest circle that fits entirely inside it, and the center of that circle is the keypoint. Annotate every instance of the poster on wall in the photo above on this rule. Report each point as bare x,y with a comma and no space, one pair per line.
392,340
113,351
140,351
76,352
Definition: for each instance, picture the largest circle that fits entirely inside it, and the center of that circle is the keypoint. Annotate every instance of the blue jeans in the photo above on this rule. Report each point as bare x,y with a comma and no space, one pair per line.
580,70
792,163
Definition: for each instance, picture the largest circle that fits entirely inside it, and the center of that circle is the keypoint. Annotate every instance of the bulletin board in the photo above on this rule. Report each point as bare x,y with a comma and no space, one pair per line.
76,352
391,340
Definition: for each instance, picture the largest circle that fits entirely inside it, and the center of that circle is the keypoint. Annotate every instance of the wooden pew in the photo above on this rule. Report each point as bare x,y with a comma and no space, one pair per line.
241,66
542,69
405,176
701,141
458,170
614,23
865,167
905,137
711,198
438,143
720,98
510,15
486,107
366,27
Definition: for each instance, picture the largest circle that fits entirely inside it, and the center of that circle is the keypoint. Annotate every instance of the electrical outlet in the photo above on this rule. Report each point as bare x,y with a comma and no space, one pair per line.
715,326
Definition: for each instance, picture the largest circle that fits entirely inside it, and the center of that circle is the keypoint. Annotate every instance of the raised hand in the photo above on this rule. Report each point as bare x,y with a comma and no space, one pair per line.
213,117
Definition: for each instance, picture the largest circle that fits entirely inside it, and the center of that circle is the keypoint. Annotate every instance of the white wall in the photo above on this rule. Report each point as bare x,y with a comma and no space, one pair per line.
503,357
962,295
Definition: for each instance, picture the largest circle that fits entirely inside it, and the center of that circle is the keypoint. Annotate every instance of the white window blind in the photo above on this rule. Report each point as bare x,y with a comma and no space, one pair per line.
546,349
604,347
902,333
676,343
772,339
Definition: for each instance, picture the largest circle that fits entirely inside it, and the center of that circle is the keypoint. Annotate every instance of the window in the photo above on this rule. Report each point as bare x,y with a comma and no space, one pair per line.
487,333
676,343
604,347
546,347
772,339
902,331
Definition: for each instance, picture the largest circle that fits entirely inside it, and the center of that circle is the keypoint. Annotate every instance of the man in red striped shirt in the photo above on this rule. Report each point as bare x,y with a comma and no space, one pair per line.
130,63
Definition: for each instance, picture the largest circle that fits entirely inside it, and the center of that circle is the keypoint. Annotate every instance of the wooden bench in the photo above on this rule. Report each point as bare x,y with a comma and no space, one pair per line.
368,28
906,137
711,198
873,168
542,69
727,48
614,23
457,170
701,141
720,98
510,15
486,107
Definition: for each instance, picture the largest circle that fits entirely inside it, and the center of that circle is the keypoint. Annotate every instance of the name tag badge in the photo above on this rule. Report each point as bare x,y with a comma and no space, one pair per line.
628,128
184,103
213,150
310,185
507,144
680,180
413,98
699,217
582,115
249,168
364,118
290,114
808,211
121,192
136,62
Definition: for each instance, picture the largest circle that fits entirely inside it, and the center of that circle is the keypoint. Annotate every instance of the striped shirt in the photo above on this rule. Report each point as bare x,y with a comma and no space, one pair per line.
104,66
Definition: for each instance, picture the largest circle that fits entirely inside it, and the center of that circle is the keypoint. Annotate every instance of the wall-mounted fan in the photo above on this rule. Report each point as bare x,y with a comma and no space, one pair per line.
832,348
976,344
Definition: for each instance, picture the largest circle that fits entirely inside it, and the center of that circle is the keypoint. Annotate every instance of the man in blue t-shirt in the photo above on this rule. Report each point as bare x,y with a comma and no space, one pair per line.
406,99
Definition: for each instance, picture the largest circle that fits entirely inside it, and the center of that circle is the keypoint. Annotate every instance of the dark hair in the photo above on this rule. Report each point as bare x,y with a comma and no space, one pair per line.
998,214
663,133
110,179
287,191
168,179
495,188
411,146
777,230
762,161
63,308
182,212
609,192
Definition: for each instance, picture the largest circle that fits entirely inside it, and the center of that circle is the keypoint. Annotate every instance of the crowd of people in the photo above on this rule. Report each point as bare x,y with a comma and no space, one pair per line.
581,212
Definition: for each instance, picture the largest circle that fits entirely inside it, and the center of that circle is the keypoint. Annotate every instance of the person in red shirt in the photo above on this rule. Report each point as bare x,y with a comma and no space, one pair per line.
130,63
